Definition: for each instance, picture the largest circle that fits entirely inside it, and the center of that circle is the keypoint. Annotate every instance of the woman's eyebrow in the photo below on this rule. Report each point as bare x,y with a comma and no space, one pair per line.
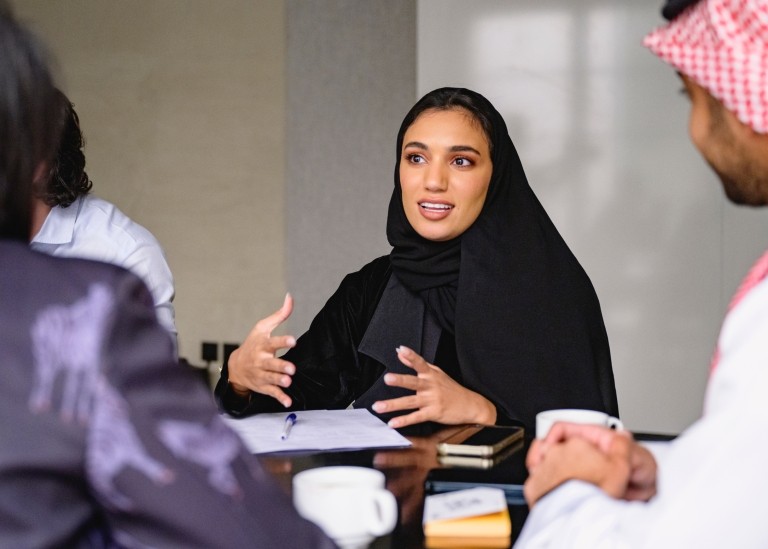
416,144
454,148
464,148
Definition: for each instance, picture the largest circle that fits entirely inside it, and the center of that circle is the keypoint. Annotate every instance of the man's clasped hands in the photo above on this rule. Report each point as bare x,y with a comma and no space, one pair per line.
611,460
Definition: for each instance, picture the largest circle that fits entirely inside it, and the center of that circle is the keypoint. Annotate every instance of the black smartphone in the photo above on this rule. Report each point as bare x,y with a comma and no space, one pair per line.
480,440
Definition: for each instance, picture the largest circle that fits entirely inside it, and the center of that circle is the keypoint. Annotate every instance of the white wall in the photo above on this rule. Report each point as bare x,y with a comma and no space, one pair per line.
601,129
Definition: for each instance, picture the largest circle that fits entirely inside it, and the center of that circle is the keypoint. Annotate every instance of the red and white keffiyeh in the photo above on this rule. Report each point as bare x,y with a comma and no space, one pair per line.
755,276
723,46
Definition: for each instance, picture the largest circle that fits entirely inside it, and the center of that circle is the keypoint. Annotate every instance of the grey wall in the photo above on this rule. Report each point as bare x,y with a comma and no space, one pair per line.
182,106
601,129
351,77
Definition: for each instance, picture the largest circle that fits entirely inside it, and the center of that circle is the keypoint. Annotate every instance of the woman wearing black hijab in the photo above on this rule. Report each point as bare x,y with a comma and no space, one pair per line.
480,298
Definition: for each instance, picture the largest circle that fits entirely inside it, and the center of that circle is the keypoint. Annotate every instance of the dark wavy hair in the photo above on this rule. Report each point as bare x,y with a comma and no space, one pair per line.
28,138
67,179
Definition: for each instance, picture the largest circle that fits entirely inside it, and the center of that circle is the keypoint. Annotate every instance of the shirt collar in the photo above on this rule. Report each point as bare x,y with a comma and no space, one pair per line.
59,225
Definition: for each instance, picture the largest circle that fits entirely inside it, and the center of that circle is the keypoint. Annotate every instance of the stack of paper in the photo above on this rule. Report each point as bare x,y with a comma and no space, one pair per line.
476,517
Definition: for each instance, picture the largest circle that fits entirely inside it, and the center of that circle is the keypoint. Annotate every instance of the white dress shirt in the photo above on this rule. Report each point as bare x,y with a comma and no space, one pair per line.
92,228
712,480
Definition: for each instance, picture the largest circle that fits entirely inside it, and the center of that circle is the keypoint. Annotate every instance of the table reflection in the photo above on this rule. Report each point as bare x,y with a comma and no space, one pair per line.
405,471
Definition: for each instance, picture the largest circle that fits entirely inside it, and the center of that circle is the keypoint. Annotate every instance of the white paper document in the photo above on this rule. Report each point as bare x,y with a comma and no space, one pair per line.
319,430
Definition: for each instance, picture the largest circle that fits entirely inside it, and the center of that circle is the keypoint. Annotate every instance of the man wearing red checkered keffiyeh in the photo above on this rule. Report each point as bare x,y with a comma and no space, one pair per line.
592,487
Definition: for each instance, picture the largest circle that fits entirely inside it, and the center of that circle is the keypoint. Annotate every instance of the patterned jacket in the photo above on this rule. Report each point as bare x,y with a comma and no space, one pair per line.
105,440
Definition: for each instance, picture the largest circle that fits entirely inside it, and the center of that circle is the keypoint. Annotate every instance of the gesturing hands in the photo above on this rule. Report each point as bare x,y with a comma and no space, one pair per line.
254,366
438,397
609,459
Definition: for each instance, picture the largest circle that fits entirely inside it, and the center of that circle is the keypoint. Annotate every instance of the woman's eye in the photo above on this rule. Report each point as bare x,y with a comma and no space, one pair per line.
463,162
415,159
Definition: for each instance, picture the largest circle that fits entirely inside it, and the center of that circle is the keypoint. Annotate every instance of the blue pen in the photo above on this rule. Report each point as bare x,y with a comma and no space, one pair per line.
289,421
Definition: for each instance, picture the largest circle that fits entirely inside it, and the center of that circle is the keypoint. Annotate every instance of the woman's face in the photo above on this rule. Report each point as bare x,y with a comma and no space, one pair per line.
445,170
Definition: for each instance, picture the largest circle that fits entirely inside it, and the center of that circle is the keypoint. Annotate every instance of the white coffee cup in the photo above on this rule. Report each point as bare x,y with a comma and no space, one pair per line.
546,419
350,504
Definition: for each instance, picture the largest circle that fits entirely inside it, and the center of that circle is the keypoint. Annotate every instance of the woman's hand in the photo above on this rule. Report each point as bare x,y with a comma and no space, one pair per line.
254,367
438,397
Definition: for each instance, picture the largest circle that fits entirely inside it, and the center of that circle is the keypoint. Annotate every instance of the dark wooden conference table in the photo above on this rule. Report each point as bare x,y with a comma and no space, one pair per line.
405,470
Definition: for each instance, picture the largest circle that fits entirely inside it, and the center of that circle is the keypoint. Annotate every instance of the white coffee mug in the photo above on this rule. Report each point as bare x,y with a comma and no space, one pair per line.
350,504
545,420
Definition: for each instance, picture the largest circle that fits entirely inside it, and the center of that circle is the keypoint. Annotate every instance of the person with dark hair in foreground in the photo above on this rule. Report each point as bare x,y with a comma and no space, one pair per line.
104,443
70,222
592,487
492,316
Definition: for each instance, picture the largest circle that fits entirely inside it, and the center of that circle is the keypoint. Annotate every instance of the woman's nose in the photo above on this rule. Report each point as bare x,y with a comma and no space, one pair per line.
437,178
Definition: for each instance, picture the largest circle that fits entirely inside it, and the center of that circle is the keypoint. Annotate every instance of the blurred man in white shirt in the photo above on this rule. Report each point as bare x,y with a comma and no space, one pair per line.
592,487
70,222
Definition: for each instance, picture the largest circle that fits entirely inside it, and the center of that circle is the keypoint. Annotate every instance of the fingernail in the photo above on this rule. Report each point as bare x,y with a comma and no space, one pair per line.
291,341
389,378
378,407
399,349
393,423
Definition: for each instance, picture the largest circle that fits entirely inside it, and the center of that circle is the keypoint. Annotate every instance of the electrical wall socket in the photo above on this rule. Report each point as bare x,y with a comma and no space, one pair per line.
210,351
228,349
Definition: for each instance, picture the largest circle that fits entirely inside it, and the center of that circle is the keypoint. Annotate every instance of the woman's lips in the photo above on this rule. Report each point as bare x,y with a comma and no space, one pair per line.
435,211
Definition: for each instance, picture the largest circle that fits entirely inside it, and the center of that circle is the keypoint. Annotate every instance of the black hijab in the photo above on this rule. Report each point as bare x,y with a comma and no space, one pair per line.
527,323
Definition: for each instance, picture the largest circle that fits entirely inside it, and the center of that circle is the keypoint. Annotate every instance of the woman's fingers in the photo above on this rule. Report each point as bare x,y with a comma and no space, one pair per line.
405,381
408,419
424,371
426,384
272,378
412,359
275,392
282,314
275,343
278,365
271,372
267,324
396,404
437,397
